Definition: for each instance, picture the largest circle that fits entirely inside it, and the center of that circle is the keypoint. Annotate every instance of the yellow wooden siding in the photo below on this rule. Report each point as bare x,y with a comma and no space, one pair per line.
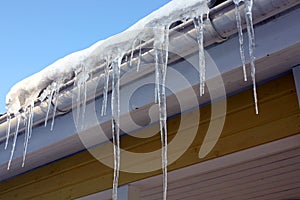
81,174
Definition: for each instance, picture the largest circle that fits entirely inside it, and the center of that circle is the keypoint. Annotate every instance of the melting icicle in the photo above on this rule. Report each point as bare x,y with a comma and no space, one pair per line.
8,129
198,23
18,116
241,37
161,45
56,96
115,106
28,131
250,30
105,90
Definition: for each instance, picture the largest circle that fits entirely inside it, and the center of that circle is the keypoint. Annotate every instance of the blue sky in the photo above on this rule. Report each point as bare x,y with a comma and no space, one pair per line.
35,33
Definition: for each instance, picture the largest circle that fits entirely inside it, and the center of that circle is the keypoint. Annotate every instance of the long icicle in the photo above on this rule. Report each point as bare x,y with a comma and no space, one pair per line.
163,121
56,96
18,116
198,23
105,90
241,37
8,130
115,106
250,30
161,62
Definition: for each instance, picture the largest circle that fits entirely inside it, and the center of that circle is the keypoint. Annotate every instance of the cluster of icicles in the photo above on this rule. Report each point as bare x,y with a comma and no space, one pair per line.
113,67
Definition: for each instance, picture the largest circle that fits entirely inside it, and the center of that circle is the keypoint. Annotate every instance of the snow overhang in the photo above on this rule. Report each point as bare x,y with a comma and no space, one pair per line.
273,58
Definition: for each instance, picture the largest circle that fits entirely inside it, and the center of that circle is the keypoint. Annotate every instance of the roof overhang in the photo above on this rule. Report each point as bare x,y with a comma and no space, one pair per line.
223,60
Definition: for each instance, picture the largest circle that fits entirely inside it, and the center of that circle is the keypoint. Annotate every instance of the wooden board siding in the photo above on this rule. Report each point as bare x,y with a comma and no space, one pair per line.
81,174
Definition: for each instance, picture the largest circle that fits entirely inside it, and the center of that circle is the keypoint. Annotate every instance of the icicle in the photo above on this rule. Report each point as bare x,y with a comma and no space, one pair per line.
18,116
198,23
156,91
8,129
250,30
84,94
31,119
50,96
241,37
115,106
56,96
81,84
161,44
78,100
105,91
28,131
139,57
132,51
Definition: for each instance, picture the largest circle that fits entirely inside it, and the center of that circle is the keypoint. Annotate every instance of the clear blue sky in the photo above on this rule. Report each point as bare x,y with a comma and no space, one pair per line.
35,33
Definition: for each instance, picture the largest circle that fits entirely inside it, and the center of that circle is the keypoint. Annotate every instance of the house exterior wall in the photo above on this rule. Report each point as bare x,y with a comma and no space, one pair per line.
81,174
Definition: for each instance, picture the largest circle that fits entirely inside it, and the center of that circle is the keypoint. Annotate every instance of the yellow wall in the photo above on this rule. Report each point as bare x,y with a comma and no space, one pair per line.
81,174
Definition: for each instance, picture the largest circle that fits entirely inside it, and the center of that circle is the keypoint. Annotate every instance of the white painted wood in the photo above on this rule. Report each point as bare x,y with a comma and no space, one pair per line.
125,192
270,171
133,193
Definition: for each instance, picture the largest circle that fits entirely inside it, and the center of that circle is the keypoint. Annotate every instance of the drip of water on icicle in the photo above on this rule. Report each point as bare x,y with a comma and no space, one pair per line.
161,44
198,23
81,84
18,116
248,4
115,107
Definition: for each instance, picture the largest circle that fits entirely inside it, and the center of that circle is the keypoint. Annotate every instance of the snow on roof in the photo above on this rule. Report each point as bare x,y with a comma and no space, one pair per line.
27,91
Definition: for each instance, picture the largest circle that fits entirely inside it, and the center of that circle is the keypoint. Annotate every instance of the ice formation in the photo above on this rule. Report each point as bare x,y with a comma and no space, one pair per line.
241,36
248,4
161,44
78,66
115,122
198,23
